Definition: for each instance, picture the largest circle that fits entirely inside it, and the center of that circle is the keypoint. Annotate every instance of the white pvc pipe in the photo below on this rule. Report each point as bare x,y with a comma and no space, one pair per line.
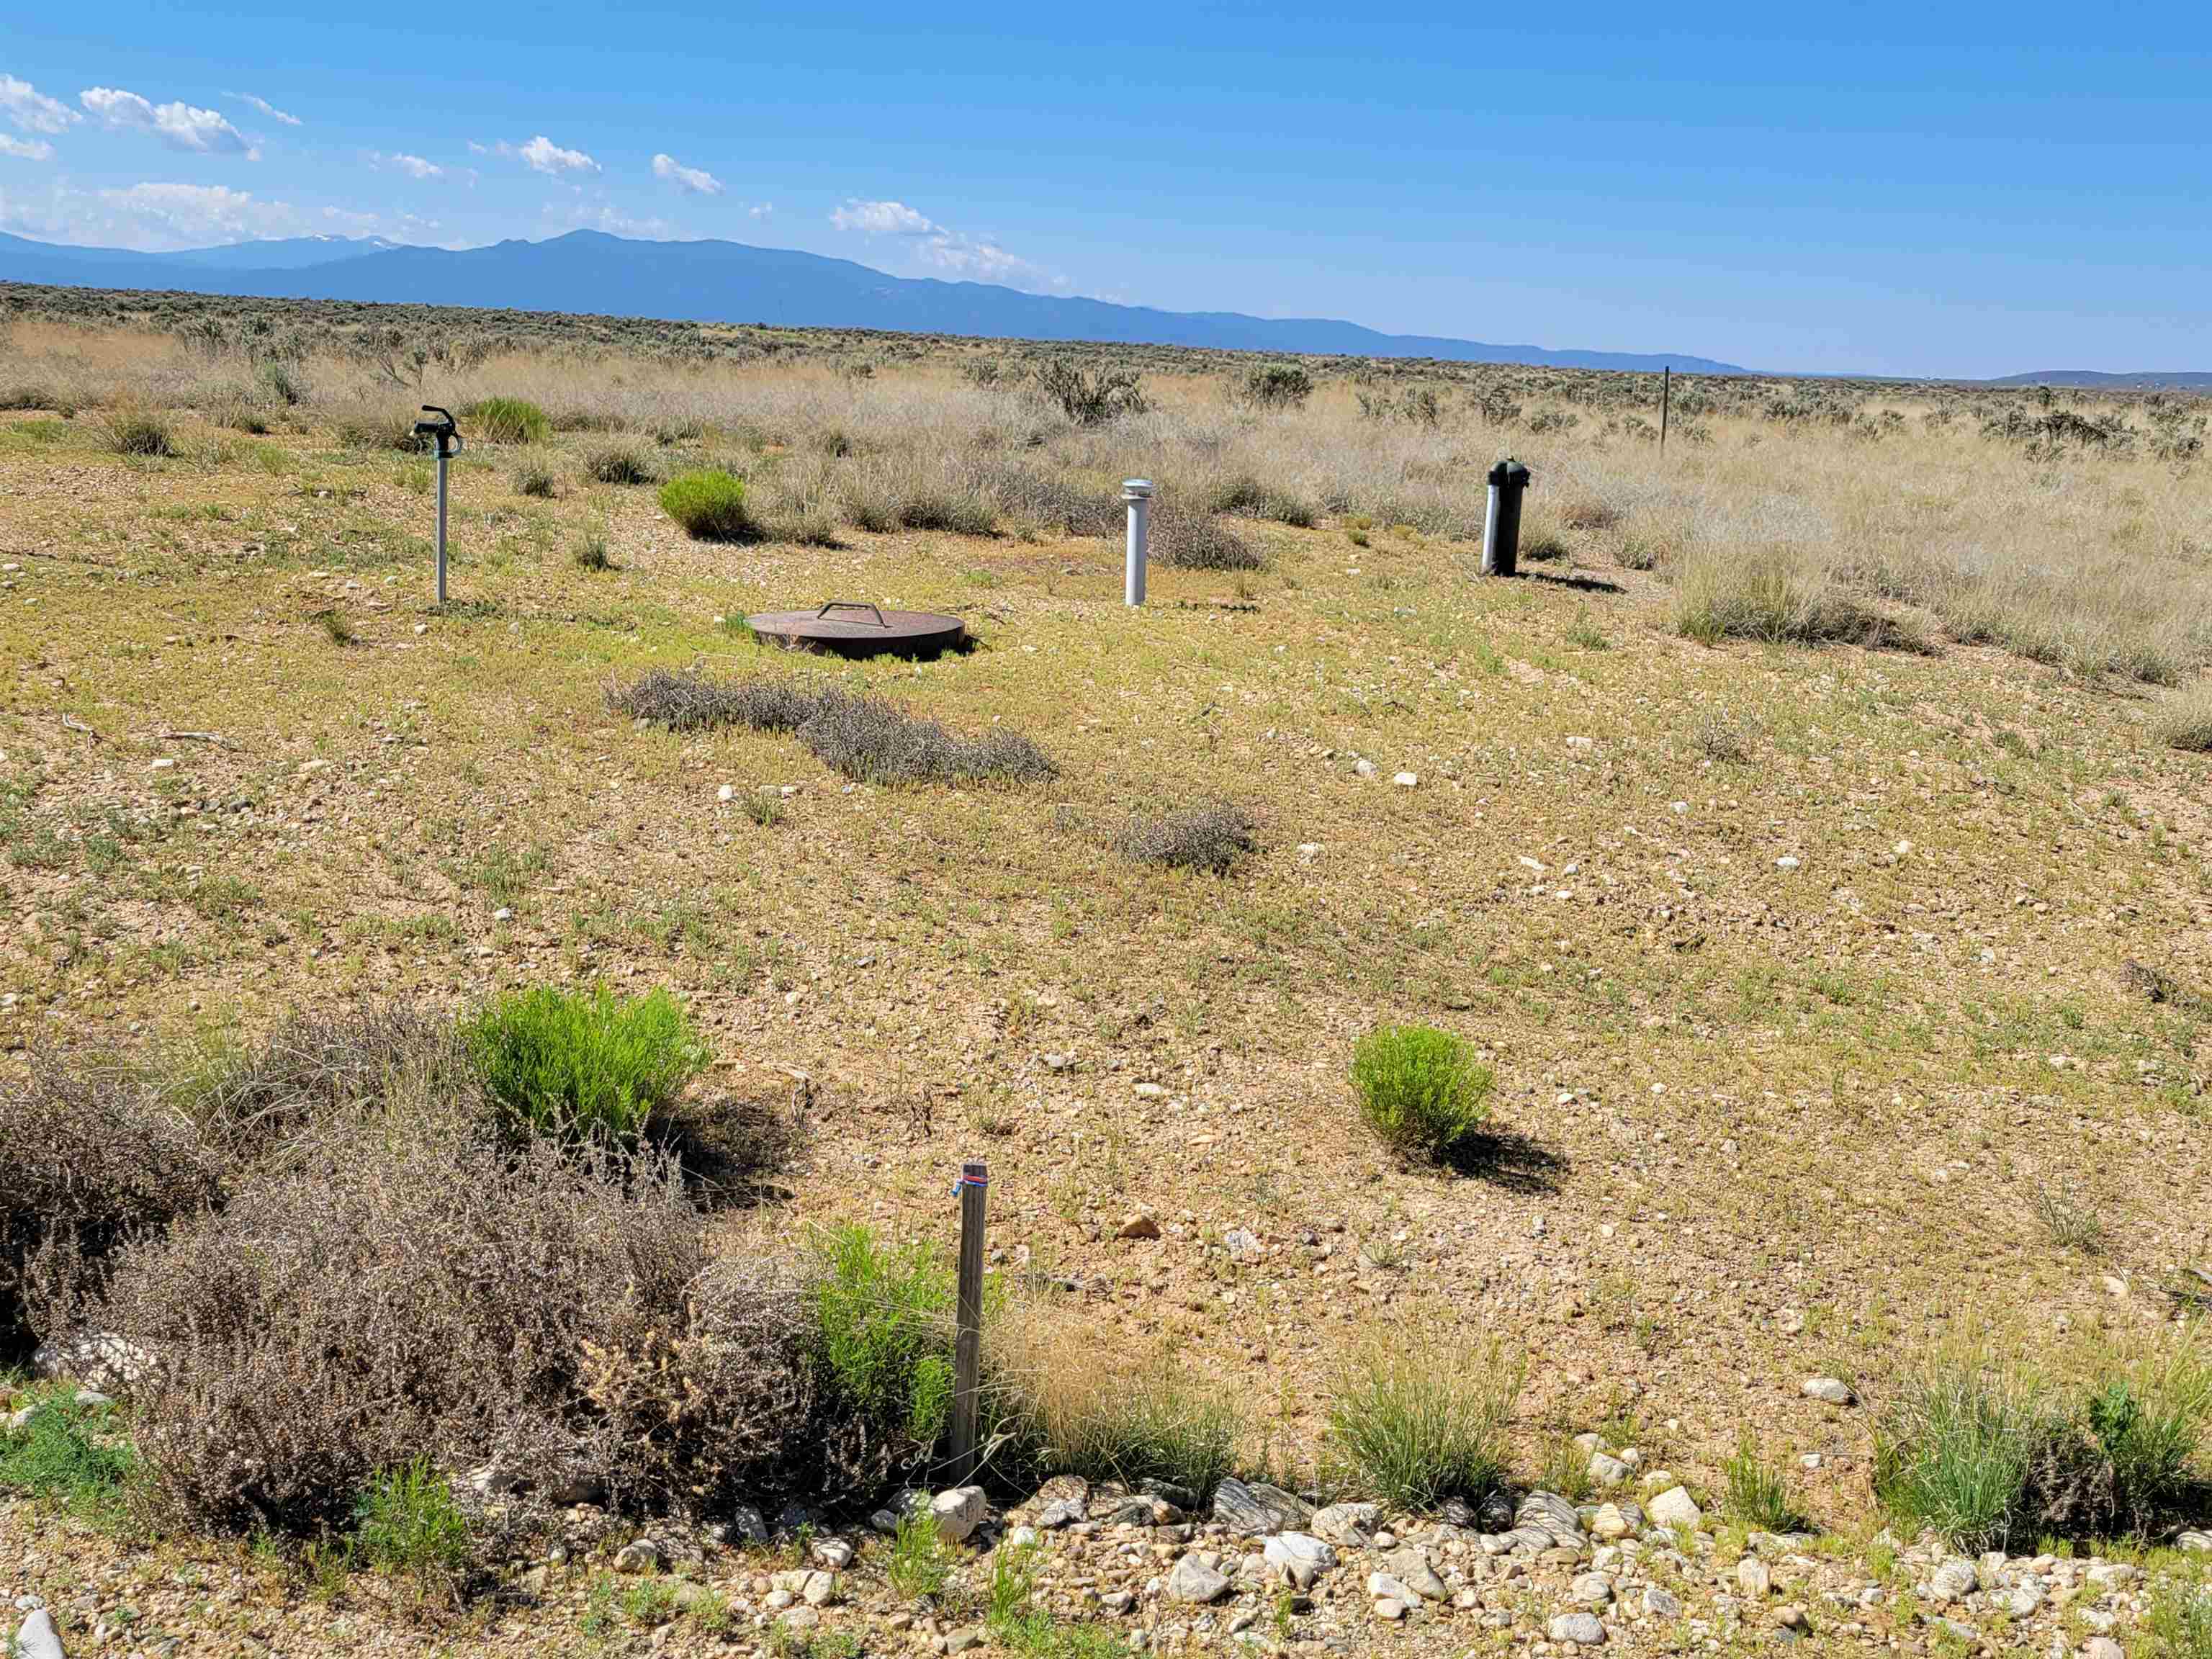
1138,493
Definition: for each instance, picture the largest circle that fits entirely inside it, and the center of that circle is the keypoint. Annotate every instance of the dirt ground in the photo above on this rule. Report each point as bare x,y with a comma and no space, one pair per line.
1812,977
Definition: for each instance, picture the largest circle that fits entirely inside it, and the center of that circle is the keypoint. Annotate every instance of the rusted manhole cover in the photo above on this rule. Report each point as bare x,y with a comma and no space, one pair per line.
861,630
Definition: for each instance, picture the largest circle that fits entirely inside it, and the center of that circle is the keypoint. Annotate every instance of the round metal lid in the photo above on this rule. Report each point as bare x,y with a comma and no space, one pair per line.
849,629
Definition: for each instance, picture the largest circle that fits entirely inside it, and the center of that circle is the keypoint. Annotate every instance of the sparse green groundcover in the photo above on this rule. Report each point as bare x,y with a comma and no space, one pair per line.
72,1457
884,1317
710,506
1758,1493
581,1065
1212,837
407,1521
1419,1089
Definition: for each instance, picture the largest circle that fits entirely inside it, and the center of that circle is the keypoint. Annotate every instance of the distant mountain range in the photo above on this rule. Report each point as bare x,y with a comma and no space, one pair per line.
590,272
2148,380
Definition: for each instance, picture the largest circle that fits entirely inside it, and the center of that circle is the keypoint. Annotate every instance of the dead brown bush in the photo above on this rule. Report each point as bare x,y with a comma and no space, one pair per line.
401,1285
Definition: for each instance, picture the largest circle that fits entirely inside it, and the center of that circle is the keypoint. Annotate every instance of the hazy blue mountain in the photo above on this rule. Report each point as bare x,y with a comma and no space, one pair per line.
2146,380
289,253
729,282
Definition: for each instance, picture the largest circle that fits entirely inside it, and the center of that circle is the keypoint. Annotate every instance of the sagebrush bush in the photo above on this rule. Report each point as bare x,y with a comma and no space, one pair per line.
538,481
1247,496
710,506
402,1285
1212,837
507,421
1277,386
863,736
1416,1419
1419,1089
1090,398
576,1066
621,463
92,1153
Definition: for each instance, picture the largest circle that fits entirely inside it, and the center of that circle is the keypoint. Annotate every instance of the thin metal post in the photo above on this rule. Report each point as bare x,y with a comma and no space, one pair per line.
1666,398
1138,493
968,1347
442,459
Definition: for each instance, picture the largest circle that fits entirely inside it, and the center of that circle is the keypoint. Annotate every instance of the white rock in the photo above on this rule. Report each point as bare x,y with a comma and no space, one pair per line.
833,1553
640,1557
728,791
959,1512
1366,767
1592,1589
1953,1579
1608,1470
1674,1507
1582,1628
1834,1390
1193,1582
1753,1577
35,1637
1300,1556
1785,862
2097,1647
2112,1575
1661,1604
1407,780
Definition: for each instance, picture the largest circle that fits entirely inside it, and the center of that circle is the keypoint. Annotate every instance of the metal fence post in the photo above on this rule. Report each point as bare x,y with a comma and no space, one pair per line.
968,1347
1138,493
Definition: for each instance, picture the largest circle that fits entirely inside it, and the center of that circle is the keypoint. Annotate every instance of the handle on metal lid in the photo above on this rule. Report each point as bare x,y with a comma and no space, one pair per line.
853,605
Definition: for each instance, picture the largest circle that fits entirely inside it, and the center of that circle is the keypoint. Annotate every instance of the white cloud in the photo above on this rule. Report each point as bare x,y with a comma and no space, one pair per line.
697,180
179,125
32,149
546,156
761,209
265,107
31,110
187,215
979,258
413,166
604,216
883,219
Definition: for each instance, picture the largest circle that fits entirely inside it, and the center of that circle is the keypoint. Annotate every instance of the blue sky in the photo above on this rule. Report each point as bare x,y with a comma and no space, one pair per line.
1961,190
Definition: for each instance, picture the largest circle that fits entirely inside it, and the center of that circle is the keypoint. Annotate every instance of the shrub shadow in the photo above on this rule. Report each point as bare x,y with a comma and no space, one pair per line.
1507,1158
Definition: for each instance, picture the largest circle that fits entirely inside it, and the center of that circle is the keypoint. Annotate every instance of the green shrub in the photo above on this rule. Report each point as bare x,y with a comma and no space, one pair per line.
72,1458
1419,1089
1420,1419
579,1066
376,429
1090,399
1757,1492
507,421
537,481
621,463
592,551
883,1317
710,506
407,1521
